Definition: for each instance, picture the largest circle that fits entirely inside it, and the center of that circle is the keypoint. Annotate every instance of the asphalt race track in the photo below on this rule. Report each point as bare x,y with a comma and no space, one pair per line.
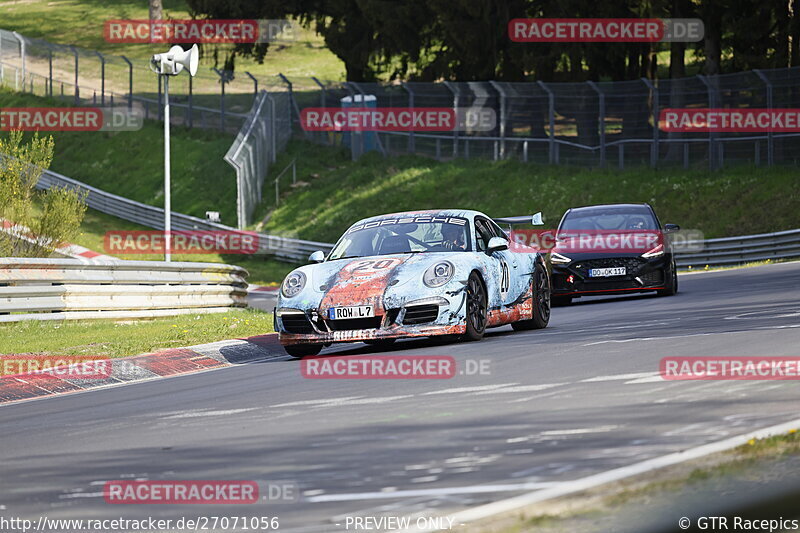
581,397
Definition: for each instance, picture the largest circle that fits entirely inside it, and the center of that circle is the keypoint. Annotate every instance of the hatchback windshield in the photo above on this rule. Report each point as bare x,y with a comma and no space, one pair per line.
412,234
615,218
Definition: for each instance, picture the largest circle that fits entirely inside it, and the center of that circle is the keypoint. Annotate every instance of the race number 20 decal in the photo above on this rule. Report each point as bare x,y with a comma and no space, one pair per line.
505,280
369,265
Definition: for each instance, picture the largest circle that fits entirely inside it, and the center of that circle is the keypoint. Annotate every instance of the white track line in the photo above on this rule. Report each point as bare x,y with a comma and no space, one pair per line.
589,482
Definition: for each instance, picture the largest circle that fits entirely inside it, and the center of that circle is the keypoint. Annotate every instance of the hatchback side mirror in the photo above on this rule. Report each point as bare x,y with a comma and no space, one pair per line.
671,228
317,257
496,244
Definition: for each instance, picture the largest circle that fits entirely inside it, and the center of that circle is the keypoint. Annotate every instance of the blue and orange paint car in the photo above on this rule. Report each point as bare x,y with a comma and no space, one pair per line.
415,274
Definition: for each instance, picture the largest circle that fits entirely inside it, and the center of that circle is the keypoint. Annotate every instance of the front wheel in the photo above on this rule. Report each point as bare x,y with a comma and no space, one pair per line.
672,287
303,350
541,301
476,308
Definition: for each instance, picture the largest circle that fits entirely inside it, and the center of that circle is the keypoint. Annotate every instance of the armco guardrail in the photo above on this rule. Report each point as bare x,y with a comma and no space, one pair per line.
743,249
58,289
283,248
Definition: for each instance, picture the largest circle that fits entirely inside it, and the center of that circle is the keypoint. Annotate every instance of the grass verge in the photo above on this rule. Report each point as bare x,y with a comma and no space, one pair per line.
333,192
109,338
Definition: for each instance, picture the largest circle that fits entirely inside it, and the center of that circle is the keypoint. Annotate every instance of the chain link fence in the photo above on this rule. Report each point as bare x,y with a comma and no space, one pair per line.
595,124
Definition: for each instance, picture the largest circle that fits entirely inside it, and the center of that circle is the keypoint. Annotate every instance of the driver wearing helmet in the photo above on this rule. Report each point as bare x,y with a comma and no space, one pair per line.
453,237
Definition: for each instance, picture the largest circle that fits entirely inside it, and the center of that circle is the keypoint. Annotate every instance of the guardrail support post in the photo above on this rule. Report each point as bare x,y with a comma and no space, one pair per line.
551,119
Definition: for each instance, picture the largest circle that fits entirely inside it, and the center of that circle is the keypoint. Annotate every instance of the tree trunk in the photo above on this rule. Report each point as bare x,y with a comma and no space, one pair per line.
155,10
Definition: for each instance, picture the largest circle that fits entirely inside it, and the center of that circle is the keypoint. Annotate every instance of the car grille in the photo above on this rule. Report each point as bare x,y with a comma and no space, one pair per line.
420,314
296,323
632,264
355,323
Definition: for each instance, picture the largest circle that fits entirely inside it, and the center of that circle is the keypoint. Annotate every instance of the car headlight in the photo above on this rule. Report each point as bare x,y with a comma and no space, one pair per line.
655,252
439,274
293,284
556,257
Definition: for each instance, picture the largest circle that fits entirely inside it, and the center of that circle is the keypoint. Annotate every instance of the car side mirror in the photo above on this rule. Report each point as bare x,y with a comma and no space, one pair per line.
496,244
317,257
671,228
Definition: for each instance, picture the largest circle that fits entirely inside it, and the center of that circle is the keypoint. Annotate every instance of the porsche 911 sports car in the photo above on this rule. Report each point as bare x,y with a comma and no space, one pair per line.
415,274
607,265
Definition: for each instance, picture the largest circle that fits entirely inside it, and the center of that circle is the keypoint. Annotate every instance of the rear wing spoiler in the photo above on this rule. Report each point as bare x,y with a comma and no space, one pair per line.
535,220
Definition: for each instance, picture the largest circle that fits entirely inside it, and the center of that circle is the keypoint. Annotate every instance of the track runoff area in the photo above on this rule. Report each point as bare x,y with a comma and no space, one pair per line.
525,417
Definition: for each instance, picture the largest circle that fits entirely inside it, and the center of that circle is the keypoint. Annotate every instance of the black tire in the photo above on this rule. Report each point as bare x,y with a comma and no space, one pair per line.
560,301
672,288
540,282
303,350
477,308
380,343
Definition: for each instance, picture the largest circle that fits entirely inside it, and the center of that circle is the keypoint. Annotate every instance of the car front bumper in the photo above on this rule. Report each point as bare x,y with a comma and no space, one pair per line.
642,275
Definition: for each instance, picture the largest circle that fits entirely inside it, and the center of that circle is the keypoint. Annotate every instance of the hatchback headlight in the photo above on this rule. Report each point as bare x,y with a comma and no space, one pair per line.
557,258
439,274
293,284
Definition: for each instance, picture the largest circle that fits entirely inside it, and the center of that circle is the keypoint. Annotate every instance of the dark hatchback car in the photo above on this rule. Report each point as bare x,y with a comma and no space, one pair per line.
612,249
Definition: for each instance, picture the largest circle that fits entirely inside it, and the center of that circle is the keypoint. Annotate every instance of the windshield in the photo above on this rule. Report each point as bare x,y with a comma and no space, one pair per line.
628,218
403,235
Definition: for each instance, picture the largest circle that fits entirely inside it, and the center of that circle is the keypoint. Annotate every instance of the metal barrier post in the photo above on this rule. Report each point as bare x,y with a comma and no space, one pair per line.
22,53
456,95
712,144
130,81
191,108
50,70
222,81
77,90
102,77
503,117
411,144
654,103
551,113
602,120
322,100
770,143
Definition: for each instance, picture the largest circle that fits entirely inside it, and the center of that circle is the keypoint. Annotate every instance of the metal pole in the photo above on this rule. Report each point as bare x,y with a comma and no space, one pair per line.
411,143
602,120
322,99
770,144
456,94
167,197
712,152
130,81
654,145
502,118
50,65
102,77
77,90
551,112
191,109
22,54
255,83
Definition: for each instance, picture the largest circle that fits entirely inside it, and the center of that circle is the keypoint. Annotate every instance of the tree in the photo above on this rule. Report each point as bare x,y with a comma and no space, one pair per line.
53,216
155,10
